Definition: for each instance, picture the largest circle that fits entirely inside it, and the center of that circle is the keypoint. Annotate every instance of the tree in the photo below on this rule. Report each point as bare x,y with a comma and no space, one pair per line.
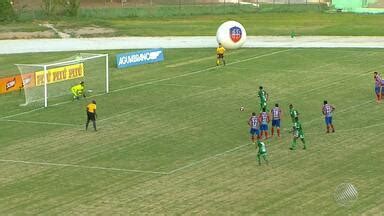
61,7
6,11
49,7
71,7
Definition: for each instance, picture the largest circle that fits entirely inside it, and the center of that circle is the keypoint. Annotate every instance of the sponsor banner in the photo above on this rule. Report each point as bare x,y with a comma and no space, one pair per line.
60,74
124,60
14,83
28,80
9,84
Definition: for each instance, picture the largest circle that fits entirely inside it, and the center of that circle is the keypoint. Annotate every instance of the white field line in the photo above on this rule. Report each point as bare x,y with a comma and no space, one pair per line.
193,163
113,116
22,113
172,171
321,118
208,158
166,102
185,74
190,164
338,81
156,81
351,129
148,107
190,62
181,85
38,122
199,71
93,167
210,57
81,166
313,89
342,111
241,146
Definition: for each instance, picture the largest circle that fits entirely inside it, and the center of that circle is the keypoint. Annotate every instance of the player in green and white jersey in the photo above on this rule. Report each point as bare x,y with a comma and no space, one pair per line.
262,152
293,113
263,95
297,133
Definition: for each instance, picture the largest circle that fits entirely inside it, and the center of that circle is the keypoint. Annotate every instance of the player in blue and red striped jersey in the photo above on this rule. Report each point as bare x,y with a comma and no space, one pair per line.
264,120
253,122
327,112
378,86
276,117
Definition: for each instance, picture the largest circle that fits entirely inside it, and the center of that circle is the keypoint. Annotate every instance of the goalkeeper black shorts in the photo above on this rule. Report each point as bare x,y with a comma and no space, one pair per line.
91,116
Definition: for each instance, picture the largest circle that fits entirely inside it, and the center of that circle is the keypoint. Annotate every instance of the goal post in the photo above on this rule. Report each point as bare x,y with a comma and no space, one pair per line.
52,82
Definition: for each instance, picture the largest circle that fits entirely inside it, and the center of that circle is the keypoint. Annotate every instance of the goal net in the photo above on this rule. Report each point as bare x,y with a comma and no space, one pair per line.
52,82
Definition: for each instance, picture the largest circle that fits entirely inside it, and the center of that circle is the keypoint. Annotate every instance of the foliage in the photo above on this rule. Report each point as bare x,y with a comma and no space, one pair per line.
71,7
49,6
60,7
6,11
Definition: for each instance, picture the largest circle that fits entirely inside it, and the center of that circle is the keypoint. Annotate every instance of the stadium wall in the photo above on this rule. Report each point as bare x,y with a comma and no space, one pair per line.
359,6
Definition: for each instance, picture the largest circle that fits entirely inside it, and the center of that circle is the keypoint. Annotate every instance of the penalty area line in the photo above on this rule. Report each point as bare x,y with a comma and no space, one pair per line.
22,113
351,129
345,110
156,81
208,158
210,57
239,147
81,166
38,122
198,71
152,106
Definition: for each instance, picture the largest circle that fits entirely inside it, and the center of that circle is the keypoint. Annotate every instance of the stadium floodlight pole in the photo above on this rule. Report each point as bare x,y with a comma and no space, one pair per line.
45,86
106,74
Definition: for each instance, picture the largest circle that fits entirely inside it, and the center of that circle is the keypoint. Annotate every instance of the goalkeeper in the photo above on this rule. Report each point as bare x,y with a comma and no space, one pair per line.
78,90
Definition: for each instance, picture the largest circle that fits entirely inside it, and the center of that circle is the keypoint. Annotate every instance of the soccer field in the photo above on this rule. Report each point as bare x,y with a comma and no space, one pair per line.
172,140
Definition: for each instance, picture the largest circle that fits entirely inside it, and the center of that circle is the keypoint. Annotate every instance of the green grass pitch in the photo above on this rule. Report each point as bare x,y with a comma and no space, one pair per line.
172,140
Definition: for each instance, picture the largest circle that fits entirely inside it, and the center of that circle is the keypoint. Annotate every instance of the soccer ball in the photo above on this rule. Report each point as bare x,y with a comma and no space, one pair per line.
241,108
231,35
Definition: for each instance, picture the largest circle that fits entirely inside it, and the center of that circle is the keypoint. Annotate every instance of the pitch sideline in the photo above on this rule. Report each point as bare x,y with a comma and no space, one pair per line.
81,166
154,81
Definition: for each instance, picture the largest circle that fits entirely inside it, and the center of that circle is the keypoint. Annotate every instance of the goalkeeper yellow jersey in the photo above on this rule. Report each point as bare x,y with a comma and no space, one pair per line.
78,88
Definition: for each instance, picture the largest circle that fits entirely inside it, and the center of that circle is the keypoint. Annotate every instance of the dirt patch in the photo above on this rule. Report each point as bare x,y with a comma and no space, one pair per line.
27,35
52,32
88,31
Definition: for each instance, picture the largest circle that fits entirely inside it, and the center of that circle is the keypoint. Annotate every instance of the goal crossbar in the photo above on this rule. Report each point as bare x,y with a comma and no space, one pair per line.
66,62
83,58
